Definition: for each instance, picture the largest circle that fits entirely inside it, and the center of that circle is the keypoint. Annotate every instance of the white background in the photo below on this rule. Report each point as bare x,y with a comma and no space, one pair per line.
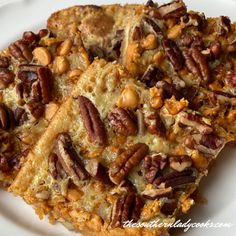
18,219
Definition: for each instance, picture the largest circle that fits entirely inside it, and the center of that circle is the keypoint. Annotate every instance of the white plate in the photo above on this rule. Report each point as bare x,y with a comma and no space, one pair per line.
18,219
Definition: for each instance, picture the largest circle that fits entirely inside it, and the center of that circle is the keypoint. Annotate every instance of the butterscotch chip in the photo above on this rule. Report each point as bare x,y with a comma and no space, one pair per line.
42,55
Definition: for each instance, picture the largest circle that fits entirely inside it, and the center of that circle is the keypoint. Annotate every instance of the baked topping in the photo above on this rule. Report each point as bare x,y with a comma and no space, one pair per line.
127,160
92,121
123,121
20,116
155,193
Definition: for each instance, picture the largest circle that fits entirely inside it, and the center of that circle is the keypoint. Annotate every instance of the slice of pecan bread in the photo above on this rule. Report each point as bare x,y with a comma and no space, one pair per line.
167,41
36,73
111,154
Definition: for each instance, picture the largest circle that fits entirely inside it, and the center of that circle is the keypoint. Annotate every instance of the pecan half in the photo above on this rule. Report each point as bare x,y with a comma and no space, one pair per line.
151,76
92,121
180,163
224,26
6,77
4,62
196,63
41,77
153,164
123,121
175,9
69,159
176,179
21,51
20,116
126,208
122,165
6,117
173,53
55,168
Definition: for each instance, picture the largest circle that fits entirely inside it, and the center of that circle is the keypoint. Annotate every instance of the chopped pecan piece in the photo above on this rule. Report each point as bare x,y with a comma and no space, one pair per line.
157,193
122,165
175,9
20,116
230,79
123,121
151,25
211,141
158,127
141,124
6,77
153,164
30,37
224,25
168,208
45,78
98,171
232,47
4,62
169,90
92,121
173,53
126,208
195,19
137,33
180,163
69,159
36,108
6,117
124,187
28,73
4,166
151,76
17,161
215,48
21,51
195,121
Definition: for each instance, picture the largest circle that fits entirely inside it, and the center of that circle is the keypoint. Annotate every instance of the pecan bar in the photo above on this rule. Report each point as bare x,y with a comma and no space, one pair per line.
153,42
37,72
110,156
